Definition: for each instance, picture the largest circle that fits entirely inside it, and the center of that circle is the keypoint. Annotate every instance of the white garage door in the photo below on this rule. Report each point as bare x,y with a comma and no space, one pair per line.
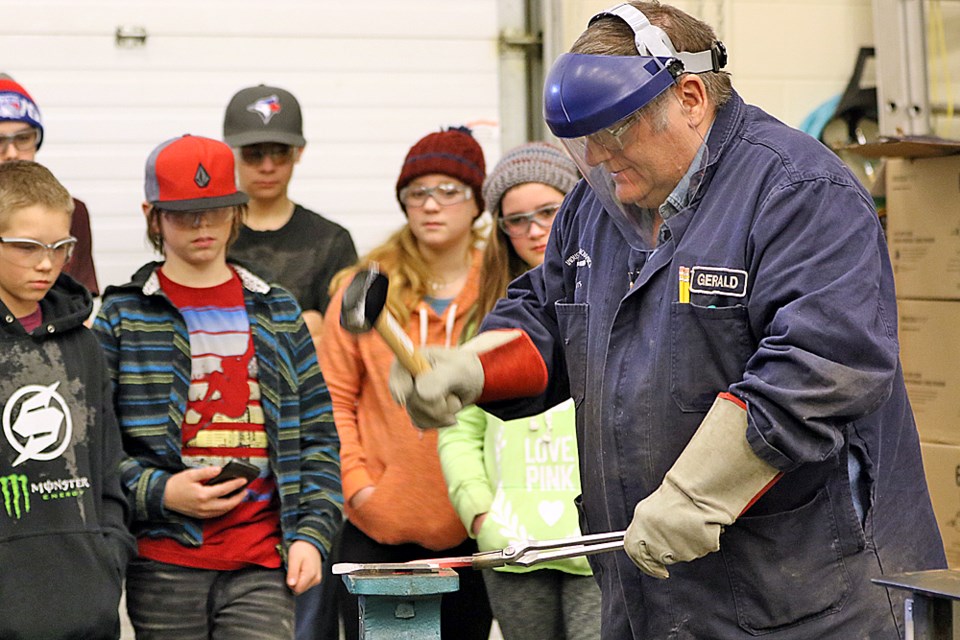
372,77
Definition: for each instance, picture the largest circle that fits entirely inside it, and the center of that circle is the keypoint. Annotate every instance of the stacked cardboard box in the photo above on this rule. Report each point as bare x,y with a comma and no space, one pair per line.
923,235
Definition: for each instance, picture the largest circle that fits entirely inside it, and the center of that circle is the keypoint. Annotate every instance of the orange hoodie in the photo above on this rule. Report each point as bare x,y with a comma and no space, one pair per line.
379,445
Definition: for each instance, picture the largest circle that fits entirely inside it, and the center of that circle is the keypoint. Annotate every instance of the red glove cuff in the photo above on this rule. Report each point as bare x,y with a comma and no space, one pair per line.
513,370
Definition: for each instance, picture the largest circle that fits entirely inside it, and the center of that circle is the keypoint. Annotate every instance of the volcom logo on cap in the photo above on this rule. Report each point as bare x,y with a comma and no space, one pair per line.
266,108
718,281
201,177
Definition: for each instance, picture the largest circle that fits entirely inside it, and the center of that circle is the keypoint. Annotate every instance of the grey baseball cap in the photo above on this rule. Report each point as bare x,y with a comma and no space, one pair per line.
263,114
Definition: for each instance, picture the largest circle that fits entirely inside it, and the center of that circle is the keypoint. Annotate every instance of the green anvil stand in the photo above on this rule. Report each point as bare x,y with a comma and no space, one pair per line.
400,606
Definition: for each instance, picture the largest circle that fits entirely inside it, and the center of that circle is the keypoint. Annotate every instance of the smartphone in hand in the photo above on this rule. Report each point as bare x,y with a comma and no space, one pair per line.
235,469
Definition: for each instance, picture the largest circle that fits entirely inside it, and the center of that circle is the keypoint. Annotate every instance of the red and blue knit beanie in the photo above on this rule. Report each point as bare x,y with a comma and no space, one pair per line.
453,152
16,105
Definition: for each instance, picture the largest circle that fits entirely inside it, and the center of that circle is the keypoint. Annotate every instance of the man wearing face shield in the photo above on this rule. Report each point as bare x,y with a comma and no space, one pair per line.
717,299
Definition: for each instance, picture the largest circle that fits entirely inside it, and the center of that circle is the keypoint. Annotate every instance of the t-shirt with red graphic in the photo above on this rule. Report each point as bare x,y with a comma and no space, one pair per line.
224,419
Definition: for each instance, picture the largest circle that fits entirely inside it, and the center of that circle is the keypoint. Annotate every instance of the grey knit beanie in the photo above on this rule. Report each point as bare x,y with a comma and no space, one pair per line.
530,162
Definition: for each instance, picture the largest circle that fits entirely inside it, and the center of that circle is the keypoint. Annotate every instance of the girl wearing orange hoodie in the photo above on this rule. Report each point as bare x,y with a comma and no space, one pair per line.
395,497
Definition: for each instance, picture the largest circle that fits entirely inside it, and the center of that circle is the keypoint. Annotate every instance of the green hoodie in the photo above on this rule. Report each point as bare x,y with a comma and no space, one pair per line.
523,473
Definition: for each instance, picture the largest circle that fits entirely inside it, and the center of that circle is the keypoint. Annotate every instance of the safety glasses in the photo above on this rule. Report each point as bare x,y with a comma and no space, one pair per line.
193,219
22,140
255,154
27,252
445,194
517,225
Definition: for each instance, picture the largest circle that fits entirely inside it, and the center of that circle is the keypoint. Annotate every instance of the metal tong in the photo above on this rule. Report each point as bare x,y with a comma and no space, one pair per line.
523,554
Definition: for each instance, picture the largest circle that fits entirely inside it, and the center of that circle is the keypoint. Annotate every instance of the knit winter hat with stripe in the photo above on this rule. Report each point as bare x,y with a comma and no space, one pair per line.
453,152
530,162
16,105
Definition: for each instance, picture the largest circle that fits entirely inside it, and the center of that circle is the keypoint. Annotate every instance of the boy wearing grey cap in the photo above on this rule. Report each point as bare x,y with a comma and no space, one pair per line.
282,240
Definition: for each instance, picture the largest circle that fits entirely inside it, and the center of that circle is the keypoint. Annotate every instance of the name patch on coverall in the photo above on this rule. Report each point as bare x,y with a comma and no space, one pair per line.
718,281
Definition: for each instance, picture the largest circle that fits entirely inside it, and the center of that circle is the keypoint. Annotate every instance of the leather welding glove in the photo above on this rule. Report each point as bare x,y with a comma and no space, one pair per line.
716,478
492,366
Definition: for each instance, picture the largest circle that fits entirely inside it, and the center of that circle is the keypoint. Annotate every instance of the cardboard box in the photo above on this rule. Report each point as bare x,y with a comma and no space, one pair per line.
930,354
942,465
923,226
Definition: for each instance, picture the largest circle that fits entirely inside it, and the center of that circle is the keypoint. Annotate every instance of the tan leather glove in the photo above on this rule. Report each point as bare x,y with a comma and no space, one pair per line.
462,376
715,479
433,399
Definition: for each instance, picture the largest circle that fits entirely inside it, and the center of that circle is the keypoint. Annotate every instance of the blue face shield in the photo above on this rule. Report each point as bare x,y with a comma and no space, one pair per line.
622,121
584,94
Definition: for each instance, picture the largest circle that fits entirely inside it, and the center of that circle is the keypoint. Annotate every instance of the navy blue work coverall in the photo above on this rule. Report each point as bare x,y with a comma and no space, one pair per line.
792,310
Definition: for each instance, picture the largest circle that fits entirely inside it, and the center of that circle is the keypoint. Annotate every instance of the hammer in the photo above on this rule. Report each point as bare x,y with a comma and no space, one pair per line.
364,307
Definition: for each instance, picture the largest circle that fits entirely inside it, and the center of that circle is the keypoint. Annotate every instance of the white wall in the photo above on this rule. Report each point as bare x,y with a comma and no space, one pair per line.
786,56
372,78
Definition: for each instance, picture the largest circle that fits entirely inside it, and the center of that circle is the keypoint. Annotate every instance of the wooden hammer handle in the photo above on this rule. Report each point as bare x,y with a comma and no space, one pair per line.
400,343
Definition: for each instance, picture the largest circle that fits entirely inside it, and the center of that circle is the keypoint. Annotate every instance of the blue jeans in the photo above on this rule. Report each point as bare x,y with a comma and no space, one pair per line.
169,602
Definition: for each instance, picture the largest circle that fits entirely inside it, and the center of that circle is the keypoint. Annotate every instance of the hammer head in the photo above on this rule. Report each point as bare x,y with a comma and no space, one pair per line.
363,300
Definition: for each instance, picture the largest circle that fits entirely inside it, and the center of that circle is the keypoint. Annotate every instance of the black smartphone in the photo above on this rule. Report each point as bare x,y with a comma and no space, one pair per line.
235,469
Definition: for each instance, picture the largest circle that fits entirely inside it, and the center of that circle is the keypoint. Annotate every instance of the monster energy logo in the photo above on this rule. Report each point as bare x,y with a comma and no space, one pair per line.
14,490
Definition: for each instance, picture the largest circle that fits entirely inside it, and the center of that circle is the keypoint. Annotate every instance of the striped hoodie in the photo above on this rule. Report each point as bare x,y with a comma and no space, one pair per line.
147,348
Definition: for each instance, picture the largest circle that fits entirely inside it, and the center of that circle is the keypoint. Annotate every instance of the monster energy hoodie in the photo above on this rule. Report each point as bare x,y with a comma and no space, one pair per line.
64,545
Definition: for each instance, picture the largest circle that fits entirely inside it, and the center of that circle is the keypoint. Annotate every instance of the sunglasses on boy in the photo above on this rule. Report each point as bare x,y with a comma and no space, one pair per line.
254,154
193,219
517,225
27,252
21,140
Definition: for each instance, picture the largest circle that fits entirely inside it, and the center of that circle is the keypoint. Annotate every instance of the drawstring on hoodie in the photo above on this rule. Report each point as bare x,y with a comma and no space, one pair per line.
450,318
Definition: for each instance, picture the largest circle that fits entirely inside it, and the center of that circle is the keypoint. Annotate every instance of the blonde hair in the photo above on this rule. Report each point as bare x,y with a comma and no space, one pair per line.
400,260
24,183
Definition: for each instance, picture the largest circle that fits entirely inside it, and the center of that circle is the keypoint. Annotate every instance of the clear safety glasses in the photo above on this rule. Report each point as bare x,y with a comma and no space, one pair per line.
27,252
517,225
444,194
22,140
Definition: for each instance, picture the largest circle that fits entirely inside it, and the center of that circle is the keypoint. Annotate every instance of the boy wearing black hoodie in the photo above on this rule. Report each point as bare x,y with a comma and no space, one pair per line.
64,544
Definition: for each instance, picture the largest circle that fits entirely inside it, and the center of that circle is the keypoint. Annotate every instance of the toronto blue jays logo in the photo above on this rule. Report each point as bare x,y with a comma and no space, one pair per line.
266,108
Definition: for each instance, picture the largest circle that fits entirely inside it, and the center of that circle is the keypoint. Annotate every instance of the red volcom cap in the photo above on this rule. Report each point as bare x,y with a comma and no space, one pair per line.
192,173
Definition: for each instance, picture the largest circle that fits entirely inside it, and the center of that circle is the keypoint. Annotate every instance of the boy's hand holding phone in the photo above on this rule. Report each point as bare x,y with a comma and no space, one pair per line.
191,493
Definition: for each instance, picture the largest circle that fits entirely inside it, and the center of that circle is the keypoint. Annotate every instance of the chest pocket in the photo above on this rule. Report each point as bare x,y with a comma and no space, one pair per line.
572,322
709,348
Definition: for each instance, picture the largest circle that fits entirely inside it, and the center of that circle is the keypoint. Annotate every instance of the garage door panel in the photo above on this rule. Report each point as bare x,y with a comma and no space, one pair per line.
256,54
360,126
171,89
371,79
283,19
